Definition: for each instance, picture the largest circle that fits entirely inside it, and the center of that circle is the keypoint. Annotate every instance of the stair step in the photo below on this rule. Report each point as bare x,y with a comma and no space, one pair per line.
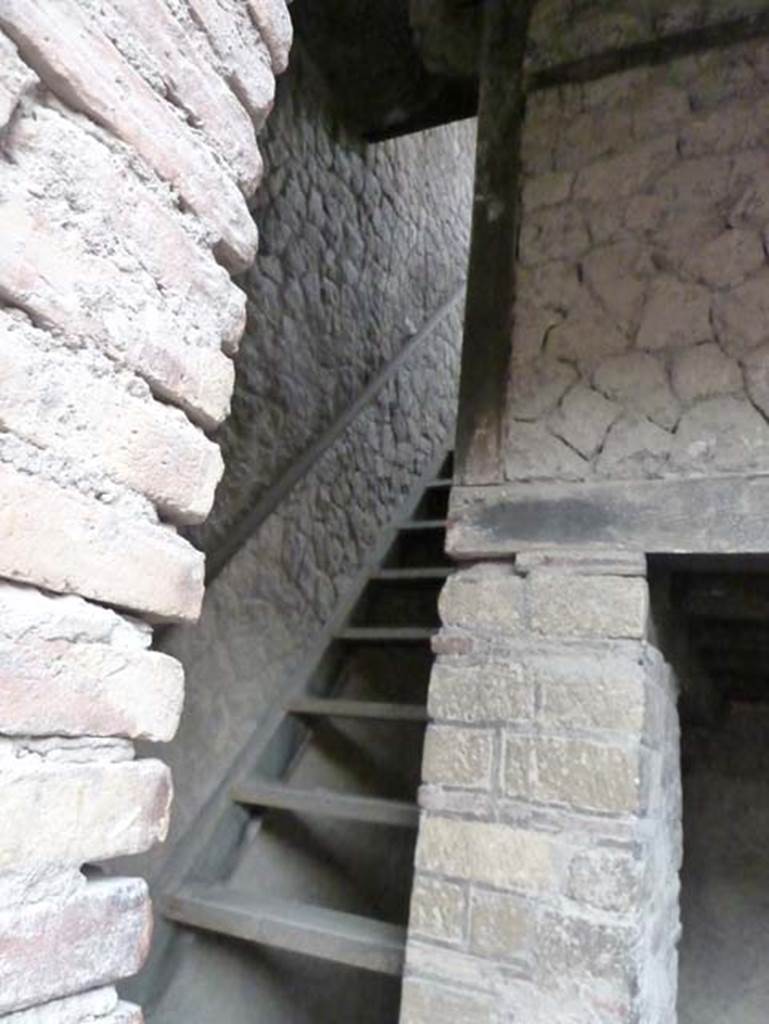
414,525
298,927
387,634
327,803
438,573
376,709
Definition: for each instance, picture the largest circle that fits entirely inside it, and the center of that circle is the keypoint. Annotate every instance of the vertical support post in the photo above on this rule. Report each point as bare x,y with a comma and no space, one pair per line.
496,213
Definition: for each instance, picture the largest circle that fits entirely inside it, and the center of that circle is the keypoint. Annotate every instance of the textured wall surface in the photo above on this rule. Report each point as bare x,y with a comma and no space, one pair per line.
127,155
359,245
641,347
549,843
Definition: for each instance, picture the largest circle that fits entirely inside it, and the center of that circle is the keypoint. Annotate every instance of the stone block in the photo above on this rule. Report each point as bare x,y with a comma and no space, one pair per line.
504,856
582,947
456,756
502,927
537,387
547,190
60,688
77,61
617,275
53,275
438,909
70,813
608,607
63,541
589,776
727,260
54,949
99,1003
532,452
583,419
491,692
676,315
245,59
607,879
169,56
721,435
488,596
16,80
553,233
638,383
704,371
518,766
635,448
741,314
425,1002
626,173
86,411
274,24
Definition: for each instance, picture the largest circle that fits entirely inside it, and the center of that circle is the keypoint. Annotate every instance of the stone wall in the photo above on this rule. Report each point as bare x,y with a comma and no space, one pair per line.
127,156
640,347
549,845
360,246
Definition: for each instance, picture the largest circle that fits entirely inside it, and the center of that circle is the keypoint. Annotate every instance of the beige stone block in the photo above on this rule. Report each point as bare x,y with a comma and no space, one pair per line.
16,80
66,813
609,607
78,408
491,692
606,879
485,596
54,949
504,856
59,688
274,24
64,541
502,927
244,56
589,776
425,1002
204,95
55,277
455,756
517,766
438,909
72,56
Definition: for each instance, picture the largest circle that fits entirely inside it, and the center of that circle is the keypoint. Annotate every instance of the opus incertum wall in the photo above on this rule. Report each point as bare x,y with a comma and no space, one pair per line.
634,420
127,155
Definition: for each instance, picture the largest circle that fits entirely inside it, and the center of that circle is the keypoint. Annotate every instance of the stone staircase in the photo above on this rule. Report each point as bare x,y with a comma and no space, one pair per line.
311,862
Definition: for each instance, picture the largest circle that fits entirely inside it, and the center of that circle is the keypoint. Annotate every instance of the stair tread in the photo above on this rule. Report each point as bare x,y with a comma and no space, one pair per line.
299,927
334,706
406,634
406,575
328,803
414,525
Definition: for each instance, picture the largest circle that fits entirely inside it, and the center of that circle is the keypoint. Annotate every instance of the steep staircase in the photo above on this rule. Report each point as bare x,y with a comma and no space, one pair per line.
308,870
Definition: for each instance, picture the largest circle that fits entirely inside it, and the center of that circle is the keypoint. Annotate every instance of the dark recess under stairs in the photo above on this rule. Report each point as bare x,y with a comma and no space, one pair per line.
322,866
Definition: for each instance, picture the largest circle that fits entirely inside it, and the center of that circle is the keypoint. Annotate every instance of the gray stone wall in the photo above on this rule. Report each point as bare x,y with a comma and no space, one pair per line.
358,247
550,840
640,346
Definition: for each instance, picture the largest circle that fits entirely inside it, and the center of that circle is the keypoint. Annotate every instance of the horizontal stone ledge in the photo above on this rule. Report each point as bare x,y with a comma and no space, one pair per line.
60,688
61,813
54,949
63,541
695,516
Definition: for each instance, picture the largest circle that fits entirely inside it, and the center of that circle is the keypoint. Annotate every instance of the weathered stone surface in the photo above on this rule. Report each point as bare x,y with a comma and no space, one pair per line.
627,173
612,607
606,879
53,276
51,950
532,452
634,448
583,419
498,855
616,273
57,687
676,315
547,190
638,382
557,233
63,541
84,410
425,1002
81,66
703,372
16,80
243,58
154,43
728,259
438,909
486,596
274,24
741,315
455,756
537,387
99,1003
588,776
721,434
75,813
501,927
491,692
757,377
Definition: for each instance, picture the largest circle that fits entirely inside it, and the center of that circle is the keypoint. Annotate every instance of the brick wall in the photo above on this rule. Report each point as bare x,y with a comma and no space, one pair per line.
127,157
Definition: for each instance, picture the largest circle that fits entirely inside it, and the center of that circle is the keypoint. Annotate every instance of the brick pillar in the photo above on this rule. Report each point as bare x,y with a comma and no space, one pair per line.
550,842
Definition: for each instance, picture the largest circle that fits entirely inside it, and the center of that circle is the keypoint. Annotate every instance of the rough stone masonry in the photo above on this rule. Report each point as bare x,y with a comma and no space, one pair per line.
127,157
